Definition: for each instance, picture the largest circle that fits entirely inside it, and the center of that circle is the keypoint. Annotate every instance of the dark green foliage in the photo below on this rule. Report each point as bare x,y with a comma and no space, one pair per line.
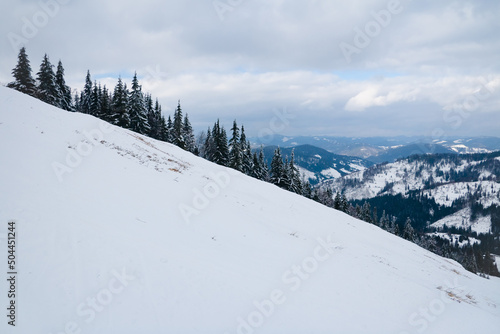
137,109
47,89
119,105
63,89
235,153
23,81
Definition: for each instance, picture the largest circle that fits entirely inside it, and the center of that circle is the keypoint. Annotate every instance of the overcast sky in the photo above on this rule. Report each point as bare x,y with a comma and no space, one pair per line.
297,67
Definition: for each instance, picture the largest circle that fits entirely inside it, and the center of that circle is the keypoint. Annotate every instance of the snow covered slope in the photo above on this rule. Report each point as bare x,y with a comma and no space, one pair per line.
119,233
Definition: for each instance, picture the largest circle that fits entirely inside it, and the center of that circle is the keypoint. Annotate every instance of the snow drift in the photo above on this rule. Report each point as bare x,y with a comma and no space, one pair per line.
119,233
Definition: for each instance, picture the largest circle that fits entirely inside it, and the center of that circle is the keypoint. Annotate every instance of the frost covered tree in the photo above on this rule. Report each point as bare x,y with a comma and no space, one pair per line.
295,183
119,105
47,90
86,96
408,231
235,154
177,130
23,81
188,135
137,110
277,172
64,90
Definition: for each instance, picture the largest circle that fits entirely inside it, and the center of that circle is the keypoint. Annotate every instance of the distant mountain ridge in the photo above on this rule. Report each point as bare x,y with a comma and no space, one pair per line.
380,149
317,164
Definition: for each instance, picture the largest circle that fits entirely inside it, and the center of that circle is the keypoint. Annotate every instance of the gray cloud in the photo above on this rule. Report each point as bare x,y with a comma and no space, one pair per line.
421,64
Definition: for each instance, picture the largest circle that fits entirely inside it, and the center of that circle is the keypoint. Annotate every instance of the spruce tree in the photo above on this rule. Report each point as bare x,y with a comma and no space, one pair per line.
64,90
262,168
177,133
408,232
277,169
137,109
106,113
47,89
294,177
119,105
153,118
337,202
247,164
220,149
235,154
188,135
86,96
95,100
209,146
23,81
170,131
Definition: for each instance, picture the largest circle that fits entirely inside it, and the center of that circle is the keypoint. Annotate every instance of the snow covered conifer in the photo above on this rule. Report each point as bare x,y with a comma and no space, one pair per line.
137,109
23,81
47,89
235,154
64,90
119,105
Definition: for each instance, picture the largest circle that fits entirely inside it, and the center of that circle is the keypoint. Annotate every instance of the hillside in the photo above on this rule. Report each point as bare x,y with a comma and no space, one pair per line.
119,233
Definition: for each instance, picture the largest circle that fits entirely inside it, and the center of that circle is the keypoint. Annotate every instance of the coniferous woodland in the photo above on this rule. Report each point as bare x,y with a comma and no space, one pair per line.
133,109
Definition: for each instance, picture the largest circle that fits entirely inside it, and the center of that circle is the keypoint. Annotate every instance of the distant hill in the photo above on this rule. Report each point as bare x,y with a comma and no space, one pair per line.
380,149
394,154
317,164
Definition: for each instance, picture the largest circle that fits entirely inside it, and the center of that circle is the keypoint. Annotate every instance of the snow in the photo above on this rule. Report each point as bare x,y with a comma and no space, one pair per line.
331,172
306,174
138,235
317,156
357,167
462,219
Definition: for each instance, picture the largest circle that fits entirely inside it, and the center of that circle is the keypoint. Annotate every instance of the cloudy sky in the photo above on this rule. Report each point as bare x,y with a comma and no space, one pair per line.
297,67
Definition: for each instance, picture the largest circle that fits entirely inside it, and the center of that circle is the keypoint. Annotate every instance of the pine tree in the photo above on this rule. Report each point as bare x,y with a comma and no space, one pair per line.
95,100
119,106
235,154
86,96
220,149
295,181
409,232
137,109
337,202
277,172
188,135
63,89
47,89
209,146
153,119
170,131
344,204
177,133
262,168
106,113
247,164
23,81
